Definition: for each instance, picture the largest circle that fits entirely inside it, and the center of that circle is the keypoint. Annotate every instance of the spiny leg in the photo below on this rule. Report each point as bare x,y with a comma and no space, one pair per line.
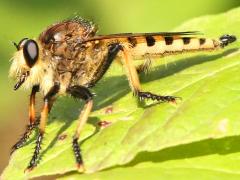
80,92
135,83
149,95
48,101
33,122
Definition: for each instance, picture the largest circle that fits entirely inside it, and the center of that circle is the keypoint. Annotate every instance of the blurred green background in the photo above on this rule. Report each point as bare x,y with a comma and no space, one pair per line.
27,18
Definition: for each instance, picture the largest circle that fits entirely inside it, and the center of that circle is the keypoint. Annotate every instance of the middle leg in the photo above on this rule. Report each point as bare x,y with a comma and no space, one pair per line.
83,93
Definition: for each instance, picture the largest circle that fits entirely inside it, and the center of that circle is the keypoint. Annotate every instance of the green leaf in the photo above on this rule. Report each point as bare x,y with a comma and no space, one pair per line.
198,136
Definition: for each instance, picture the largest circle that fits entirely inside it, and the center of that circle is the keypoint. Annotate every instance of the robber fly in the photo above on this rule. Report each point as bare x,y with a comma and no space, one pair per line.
69,58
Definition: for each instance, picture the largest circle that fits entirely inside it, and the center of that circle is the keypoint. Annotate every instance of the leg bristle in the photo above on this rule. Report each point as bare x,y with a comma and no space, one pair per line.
20,143
36,153
77,153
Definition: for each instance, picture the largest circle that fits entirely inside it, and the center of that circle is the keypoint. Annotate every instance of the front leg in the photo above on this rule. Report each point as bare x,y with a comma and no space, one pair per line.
48,101
33,122
80,92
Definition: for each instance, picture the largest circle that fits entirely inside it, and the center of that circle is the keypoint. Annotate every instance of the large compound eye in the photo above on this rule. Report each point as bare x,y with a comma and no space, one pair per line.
30,52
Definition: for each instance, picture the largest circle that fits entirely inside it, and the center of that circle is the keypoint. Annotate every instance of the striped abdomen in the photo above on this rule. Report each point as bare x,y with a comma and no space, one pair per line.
161,45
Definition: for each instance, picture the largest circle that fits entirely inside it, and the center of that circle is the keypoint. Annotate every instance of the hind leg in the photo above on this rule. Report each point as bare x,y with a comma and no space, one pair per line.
135,83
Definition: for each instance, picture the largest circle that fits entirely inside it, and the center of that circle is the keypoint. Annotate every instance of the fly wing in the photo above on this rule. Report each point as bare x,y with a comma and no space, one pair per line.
138,35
